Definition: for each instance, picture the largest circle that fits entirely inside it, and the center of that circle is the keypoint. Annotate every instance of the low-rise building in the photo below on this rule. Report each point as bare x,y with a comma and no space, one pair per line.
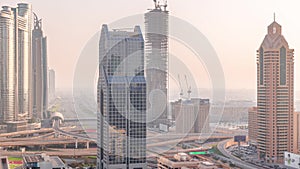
3,163
3,128
42,161
16,126
183,161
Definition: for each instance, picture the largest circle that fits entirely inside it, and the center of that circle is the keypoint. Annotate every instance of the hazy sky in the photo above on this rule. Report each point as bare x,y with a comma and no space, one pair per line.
235,28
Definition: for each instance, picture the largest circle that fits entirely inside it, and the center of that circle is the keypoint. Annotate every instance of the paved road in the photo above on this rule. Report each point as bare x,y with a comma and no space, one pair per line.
56,152
237,161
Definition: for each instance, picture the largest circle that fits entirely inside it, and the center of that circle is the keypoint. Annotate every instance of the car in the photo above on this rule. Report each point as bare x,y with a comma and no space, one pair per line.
224,161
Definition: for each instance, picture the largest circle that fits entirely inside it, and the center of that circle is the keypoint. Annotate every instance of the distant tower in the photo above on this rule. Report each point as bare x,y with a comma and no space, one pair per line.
121,100
51,85
191,115
40,70
275,96
157,56
252,125
15,63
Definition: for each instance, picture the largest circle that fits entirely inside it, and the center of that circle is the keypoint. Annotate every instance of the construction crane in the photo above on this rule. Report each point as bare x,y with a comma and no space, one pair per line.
181,90
157,4
189,89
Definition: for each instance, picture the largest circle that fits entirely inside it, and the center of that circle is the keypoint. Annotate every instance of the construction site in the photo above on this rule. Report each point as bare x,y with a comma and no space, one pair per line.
157,64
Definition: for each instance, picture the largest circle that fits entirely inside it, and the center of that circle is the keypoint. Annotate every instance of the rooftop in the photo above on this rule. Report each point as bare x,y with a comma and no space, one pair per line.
55,161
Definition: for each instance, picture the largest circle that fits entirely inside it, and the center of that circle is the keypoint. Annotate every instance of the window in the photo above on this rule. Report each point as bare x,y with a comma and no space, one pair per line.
261,66
282,66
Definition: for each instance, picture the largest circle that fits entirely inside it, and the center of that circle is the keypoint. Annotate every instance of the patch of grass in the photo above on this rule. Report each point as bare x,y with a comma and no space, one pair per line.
15,159
92,157
215,150
13,166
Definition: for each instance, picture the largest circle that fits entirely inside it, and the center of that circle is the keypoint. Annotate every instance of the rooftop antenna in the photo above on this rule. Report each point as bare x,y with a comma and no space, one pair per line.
274,17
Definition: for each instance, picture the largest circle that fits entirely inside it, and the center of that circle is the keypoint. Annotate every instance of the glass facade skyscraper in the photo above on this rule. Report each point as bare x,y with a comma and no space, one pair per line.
51,85
15,63
121,100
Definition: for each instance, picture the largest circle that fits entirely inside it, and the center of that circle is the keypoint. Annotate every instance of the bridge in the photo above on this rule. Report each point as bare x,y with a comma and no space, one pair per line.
45,137
79,119
56,152
64,136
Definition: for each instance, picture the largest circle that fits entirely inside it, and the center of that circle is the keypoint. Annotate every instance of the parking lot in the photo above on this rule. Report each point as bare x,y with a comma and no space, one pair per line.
248,153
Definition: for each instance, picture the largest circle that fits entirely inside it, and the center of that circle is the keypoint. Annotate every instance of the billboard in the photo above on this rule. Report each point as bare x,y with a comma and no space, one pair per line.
163,127
239,138
292,160
198,153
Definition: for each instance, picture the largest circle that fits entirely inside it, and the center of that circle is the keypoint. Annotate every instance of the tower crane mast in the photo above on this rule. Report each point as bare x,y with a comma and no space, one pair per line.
158,4
189,90
181,90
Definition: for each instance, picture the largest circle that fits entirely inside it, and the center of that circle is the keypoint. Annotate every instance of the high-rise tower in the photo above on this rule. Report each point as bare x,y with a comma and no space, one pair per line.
51,85
39,70
15,63
275,96
157,56
121,100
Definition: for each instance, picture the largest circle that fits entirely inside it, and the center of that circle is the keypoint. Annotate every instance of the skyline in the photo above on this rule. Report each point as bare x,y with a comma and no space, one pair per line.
217,25
151,88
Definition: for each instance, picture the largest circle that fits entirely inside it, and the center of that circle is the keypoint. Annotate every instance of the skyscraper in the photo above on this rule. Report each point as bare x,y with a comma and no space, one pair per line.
275,96
15,62
157,55
252,125
297,129
191,115
121,100
51,85
40,70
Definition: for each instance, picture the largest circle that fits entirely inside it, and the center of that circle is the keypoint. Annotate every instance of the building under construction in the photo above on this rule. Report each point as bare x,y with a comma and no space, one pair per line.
191,115
157,53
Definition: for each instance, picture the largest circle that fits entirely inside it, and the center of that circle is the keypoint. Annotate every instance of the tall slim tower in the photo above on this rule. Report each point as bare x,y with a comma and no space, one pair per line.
121,100
15,60
157,55
275,96
51,85
40,70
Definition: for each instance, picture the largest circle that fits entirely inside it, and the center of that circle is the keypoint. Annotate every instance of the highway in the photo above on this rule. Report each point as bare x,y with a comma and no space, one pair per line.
45,130
156,142
57,129
41,142
237,161
56,152
45,137
169,140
